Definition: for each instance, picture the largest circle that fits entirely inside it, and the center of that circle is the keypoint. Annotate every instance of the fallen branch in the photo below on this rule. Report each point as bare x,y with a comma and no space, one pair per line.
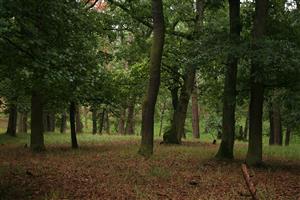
249,183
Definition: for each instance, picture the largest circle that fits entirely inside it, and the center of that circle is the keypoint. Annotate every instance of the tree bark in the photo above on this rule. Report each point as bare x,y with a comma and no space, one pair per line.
79,124
287,136
102,120
162,114
50,122
246,129
22,123
254,154
130,119
174,135
229,97
37,129
271,137
148,109
12,121
63,123
94,119
107,123
73,125
195,114
121,124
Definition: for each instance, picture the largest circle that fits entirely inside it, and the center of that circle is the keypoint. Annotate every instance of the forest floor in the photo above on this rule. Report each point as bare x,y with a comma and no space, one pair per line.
112,169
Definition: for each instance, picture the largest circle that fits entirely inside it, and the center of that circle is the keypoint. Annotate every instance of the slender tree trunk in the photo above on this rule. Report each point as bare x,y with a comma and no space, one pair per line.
63,123
121,124
94,119
195,114
12,121
73,125
229,97
107,123
254,154
130,119
271,120
246,129
148,109
162,114
50,122
79,125
174,135
287,136
37,130
102,120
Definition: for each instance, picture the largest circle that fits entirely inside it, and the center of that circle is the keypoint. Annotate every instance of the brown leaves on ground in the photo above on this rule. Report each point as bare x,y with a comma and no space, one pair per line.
115,171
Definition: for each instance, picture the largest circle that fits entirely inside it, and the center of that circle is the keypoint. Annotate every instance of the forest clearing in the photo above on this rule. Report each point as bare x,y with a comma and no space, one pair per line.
150,99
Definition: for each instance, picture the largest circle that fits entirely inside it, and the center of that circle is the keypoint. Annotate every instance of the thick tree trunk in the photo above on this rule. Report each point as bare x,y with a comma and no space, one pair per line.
121,124
73,125
12,121
229,97
148,109
79,124
287,136
37,130
195,114
63,123
174,135
22,122
254,154
130,119
94,119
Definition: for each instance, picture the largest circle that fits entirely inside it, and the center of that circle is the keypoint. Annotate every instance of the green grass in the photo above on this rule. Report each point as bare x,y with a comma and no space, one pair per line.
291,152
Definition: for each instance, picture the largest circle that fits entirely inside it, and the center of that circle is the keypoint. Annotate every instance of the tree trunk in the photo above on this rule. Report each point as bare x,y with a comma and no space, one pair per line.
73,125
22,123
12,121
195,114
130,119
79,124
287,136
229,97
37,129
50,122
148,109
121,124
271,137
162,114
107,123
174,135
254,154
246,129
94,119
101,120
63,123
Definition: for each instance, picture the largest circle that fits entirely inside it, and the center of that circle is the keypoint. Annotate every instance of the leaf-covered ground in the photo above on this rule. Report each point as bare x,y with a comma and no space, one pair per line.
113,170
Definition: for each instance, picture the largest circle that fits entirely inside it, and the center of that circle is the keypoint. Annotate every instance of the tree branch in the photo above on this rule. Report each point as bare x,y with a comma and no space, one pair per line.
149,25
